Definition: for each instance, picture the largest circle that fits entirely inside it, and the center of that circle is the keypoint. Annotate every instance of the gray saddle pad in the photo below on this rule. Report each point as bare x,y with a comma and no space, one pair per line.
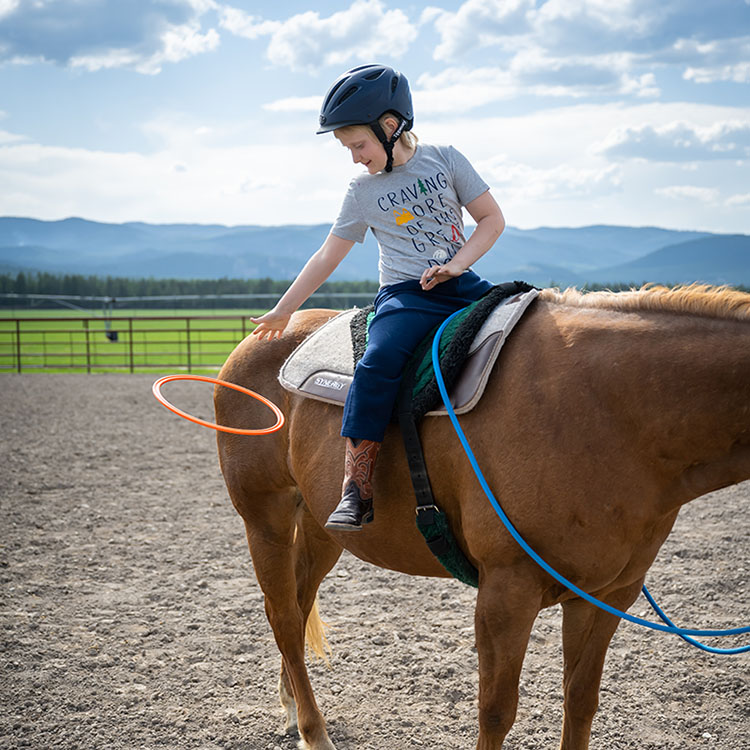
322,366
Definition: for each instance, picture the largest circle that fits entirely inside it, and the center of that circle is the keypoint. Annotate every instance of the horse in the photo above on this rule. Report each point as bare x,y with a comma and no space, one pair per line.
605,414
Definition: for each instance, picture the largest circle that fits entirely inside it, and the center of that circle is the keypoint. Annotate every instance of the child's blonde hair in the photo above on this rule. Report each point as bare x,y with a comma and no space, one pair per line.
408,138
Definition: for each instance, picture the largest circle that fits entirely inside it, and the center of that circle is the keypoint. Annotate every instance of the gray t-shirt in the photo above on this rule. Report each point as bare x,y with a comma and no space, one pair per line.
414,211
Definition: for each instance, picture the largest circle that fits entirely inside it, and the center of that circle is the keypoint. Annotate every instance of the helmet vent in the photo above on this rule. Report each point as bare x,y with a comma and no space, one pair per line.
394,83
374,75
331,94
346,94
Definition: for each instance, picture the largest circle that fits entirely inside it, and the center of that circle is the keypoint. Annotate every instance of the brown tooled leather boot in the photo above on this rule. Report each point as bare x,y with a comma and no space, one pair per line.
355,508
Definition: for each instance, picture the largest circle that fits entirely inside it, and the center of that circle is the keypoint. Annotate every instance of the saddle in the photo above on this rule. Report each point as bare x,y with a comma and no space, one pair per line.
322,366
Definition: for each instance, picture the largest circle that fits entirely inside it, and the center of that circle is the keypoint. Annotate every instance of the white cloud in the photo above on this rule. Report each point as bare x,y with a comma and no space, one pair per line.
476,24
364,31
470,88
740,199
689,192
655,30
540,165
642,86
737,73
551,158
195,172
8,6
529,74
6,137
178,43
294,104
567,181
559,18
714,60
578,76
556,27
711,52
533,66
185,41
140,34
592,47
679,142
242,24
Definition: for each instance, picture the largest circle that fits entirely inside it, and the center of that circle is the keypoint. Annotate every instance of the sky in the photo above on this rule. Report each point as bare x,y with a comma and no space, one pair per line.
576,112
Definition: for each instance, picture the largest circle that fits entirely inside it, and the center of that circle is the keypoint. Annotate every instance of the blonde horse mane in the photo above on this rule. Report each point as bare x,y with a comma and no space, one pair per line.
695,299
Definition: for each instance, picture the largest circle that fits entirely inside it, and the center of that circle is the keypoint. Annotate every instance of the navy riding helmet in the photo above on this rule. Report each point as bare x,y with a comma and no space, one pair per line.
361,96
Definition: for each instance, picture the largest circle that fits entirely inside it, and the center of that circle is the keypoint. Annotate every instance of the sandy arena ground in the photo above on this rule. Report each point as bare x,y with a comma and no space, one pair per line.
131,617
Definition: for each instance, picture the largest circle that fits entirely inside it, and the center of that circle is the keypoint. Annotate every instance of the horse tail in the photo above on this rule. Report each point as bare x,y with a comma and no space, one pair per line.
315,635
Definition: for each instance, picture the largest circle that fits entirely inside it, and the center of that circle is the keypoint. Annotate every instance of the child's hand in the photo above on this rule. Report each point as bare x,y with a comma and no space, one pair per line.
437,274
271,325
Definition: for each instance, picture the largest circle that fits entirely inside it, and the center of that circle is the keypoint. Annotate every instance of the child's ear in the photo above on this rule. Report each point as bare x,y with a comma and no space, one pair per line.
389,125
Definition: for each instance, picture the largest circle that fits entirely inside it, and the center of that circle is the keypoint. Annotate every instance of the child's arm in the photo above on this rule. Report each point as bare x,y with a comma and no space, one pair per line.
320,266
490,224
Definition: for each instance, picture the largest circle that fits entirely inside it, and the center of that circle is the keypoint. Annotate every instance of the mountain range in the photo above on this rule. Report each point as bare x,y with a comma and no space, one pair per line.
544,256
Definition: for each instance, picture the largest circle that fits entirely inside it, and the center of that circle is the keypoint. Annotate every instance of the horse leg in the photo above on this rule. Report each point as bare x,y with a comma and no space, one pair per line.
272,538
315,554
288,704
587,631
505,613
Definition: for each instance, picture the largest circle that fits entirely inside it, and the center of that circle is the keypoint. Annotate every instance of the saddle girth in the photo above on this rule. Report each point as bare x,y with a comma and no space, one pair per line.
432,522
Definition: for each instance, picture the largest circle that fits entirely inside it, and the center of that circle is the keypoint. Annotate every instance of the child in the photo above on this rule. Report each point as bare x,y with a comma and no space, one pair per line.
411,197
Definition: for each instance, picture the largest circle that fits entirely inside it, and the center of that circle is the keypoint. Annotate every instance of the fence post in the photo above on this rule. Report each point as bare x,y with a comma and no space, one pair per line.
130,344
88,350
187,336
18,345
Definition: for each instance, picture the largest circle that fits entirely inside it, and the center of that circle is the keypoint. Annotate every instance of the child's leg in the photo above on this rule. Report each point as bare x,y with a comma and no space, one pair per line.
401,322
395,333
355,507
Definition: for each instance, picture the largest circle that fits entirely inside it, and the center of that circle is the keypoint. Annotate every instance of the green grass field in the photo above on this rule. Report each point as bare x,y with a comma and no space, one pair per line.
69,341
25,312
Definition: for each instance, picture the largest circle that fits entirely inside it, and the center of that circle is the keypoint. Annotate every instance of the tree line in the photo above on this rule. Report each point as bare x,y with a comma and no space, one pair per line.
118,287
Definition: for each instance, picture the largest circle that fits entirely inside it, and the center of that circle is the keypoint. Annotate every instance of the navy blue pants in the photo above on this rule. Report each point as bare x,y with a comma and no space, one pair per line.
404,315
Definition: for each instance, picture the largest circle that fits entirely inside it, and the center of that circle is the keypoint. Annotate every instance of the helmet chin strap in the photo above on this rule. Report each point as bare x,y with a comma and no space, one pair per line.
388,143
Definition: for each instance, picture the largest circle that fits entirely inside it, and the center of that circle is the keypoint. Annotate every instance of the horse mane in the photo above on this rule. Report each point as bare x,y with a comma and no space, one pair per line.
694,299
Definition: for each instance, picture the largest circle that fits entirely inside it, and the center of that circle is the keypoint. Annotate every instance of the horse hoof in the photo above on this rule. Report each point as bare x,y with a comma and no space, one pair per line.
326,745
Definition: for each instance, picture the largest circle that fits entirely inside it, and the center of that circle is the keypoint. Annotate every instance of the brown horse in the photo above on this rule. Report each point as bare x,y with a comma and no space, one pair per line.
606,414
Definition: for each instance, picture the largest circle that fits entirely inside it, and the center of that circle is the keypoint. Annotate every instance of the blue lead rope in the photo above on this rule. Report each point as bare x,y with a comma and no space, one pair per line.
669,627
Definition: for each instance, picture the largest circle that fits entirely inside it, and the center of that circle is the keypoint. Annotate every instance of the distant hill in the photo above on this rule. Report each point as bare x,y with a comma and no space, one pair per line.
585,248
723,259
563,256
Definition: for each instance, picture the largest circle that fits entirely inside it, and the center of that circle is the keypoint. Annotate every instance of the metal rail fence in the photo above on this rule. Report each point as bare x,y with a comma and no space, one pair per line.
131,344
115,342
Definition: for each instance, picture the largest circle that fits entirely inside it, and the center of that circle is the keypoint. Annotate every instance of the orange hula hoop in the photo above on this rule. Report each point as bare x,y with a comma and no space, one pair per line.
156,390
